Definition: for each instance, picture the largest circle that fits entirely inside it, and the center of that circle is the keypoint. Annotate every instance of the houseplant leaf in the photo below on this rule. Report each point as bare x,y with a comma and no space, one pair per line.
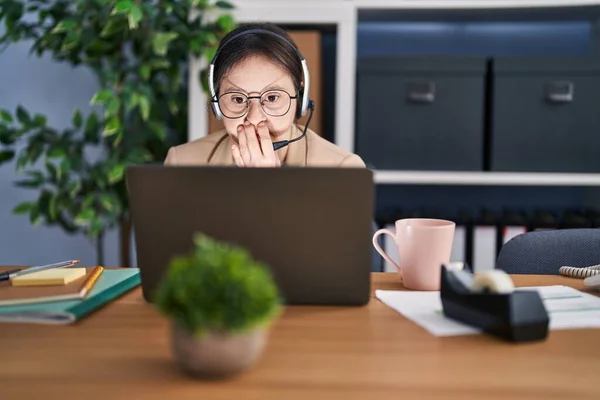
218,287
6,155
130,47
161,40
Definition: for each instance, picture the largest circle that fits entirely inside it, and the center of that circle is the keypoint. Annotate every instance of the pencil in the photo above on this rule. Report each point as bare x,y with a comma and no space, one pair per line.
91,281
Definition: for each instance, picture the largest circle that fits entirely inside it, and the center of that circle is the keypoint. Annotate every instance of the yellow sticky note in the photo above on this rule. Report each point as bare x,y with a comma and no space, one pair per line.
57,276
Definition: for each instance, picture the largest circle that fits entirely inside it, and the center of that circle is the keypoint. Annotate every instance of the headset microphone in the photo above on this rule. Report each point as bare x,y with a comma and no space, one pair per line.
282,143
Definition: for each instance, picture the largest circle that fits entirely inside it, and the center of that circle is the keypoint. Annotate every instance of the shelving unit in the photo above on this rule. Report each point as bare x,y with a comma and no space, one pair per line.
486,178
344,15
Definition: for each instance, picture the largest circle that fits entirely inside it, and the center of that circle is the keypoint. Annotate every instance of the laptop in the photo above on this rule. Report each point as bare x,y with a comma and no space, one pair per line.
310,225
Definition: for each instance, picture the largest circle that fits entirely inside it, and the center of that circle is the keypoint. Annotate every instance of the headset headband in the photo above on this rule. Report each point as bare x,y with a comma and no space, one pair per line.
211,68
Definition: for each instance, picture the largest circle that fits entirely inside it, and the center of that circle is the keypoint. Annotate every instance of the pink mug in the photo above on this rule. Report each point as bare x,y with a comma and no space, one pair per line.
423,246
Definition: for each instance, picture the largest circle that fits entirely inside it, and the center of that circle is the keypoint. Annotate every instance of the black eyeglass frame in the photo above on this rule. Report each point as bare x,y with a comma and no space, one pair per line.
295,97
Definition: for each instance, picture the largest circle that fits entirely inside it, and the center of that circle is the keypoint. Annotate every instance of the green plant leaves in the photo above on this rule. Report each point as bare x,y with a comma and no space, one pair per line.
123,6
160,42
158,64
139,54
209,52
135,16
36,180
96,227
77,119
116,173
23,116
53,208
224,5
102,96
226,22
56,152
47,205
112,127
109,202
33,151
6,116
218,287
141,101
132,10
53,172
73,188
71,41
65,167
64,26
111,107
23,208
91,128
145,71
112,27
39,120
201,4
158,129
85,216
34,215
6,155
144,107
13,12
8,136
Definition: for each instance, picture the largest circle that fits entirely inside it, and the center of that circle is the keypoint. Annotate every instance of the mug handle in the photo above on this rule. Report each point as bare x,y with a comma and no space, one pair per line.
380,250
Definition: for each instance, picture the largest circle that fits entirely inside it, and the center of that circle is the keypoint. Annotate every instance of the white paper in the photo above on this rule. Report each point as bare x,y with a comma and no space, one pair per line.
568,308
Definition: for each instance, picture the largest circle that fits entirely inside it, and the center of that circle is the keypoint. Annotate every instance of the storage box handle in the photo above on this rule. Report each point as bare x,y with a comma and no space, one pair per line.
559,92
421,92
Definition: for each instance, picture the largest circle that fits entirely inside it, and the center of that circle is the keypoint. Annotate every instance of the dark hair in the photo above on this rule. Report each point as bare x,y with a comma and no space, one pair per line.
278,50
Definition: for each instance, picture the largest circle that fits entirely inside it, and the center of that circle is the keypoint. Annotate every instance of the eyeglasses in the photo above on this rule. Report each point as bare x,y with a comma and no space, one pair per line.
273,102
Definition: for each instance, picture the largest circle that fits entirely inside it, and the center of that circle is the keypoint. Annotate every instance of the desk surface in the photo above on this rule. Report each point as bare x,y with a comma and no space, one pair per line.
313,353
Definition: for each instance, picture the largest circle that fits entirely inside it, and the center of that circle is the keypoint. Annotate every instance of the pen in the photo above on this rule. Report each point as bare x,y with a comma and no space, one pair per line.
91,281
18,272
6,275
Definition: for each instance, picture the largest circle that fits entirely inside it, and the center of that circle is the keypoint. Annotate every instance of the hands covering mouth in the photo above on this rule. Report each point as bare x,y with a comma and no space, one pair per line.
254,147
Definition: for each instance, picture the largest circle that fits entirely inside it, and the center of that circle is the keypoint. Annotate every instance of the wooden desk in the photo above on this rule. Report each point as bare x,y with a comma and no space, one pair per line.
372,352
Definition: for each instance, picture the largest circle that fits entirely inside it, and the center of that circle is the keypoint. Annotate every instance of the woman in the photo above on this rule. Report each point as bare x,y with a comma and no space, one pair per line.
258,82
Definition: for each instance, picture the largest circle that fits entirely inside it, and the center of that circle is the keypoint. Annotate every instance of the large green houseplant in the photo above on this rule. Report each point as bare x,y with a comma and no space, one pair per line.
221,302
139,52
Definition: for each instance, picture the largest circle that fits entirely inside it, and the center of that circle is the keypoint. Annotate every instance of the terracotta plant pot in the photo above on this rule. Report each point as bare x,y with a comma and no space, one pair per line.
216,355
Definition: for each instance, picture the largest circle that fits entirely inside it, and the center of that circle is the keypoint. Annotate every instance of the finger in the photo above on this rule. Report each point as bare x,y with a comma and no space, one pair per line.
243,146
265,141
252,139
234,137
237,156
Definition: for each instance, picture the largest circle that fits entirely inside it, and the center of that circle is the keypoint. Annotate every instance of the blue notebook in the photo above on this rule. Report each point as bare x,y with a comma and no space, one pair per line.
111,284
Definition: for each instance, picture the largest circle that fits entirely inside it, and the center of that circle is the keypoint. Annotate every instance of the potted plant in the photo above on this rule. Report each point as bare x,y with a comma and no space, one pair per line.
139,53
221,303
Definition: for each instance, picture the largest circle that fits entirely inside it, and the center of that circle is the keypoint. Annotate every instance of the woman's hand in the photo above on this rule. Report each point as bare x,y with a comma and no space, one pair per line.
254,147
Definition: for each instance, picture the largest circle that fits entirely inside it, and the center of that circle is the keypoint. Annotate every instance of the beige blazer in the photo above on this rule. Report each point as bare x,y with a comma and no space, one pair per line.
215,149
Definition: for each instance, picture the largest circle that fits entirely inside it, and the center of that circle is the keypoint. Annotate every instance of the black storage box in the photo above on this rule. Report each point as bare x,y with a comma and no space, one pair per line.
421,112
546,114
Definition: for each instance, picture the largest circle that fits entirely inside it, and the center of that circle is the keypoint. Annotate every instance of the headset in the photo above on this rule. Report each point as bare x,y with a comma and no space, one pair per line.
305,104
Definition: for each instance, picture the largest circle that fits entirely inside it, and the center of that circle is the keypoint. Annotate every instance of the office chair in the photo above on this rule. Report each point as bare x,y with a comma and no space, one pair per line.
544,252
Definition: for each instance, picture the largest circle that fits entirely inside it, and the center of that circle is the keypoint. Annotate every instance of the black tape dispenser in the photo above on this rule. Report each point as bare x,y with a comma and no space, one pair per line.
488,301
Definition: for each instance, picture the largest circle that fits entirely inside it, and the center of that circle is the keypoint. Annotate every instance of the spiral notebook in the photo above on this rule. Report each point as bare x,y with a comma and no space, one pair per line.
62,304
